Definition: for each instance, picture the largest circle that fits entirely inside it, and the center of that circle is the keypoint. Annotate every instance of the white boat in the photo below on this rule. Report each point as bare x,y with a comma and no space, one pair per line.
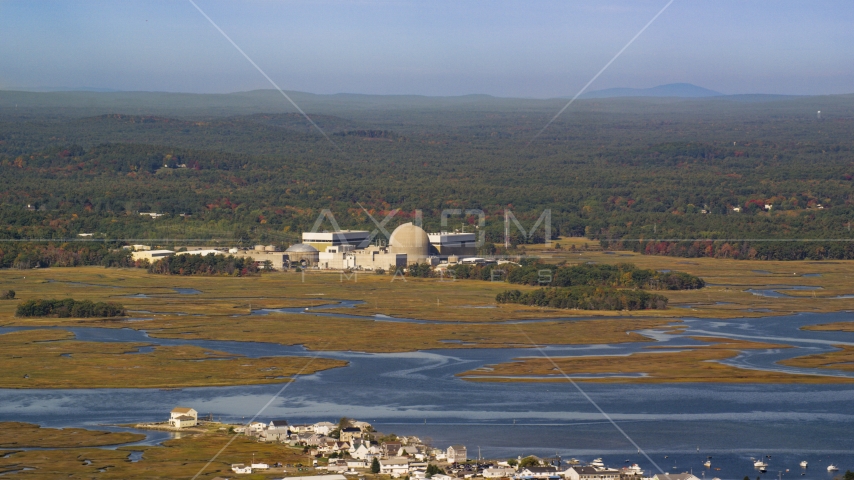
759,463
707,463
832,468
804,464
597,462
634,470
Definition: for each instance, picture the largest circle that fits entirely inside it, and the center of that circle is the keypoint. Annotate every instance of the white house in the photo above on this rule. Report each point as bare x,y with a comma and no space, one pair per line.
394,466
356,463
499,472
537,472
590,473
240,468
324,428
674,476
456,454
181,417
260,466
442,476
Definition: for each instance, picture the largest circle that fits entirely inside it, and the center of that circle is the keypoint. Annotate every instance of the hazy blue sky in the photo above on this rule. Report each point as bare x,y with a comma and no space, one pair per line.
520,48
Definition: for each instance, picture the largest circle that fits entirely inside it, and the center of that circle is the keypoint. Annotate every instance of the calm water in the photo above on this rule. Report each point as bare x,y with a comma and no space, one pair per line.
419,393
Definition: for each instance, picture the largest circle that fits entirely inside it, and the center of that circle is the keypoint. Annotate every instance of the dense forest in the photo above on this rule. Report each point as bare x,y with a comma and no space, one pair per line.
730,177
586,298
68,308
622,275
210,264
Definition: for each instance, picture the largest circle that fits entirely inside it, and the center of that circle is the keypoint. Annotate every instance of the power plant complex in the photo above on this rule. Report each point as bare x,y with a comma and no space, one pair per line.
347,250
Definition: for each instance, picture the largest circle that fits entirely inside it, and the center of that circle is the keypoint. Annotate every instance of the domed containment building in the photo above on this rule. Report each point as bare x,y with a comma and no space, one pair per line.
411,240
302,254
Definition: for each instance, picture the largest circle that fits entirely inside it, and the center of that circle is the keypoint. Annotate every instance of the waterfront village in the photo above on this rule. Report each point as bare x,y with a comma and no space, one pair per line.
352,449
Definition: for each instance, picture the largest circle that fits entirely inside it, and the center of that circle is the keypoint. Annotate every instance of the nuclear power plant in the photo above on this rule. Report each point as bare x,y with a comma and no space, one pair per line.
408,244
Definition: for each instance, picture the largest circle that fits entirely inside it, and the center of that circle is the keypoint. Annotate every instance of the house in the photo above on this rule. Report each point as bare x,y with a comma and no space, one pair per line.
674,476
456,454
442,476
278,426
181,417
499,472
363,426
356,463
391,449
537,472
256,428
394,466
350,433
260,466
240,468
302,428
591,473
364,451
337,466
324,428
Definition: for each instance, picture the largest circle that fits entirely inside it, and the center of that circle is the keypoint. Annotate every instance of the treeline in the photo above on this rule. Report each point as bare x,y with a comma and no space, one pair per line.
42,255
622,275
69,308
586,298
747,250
210,264
622,170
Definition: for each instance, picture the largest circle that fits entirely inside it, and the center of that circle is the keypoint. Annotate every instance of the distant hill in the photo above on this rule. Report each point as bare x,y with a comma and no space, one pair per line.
684,90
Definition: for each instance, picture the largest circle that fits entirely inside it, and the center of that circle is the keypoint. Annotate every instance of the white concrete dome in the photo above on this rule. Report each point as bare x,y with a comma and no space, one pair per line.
411,240
301,248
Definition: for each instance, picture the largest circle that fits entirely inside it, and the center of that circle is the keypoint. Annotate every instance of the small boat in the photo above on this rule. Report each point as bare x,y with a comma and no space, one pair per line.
597,462
707,463
804,464
759,463
832,468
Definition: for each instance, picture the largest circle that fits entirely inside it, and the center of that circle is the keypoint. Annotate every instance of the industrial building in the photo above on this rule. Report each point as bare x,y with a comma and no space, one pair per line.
446,244
262,254
151,255
321,240
301,254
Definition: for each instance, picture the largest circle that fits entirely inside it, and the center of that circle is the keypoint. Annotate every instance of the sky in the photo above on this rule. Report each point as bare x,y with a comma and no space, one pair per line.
525,48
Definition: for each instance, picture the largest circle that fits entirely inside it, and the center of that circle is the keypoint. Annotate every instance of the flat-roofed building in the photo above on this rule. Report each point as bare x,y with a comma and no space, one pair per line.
321,240
446,244
151,255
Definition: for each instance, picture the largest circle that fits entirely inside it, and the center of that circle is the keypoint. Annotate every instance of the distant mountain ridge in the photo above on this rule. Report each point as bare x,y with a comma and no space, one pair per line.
683,90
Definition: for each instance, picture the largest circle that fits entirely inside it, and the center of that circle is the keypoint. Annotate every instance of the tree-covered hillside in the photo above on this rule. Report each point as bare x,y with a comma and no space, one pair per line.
623,170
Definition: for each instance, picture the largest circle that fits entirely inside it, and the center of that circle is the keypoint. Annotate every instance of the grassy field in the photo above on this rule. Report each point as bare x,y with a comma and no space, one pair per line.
178,458
694,364
842,359
50,359
433,299
26,435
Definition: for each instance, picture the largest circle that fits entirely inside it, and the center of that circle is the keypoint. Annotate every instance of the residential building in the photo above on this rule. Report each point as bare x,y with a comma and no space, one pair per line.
675,476
350,433
394,466
181,417
278,426
499,472
591,473
538,472
456,454
324,428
